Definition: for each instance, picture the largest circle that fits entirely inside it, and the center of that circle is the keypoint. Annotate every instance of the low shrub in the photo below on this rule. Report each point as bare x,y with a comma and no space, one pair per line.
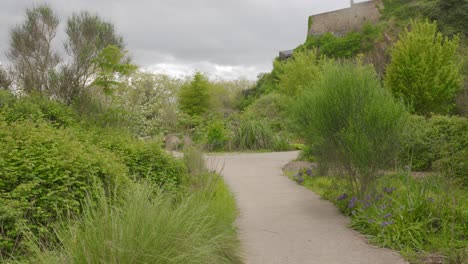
217,136
46,172
145,159
351,122
437,143
148,228
414,216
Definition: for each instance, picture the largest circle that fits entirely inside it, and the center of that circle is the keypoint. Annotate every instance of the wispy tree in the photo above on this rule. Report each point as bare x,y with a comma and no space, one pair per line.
30,53
88,35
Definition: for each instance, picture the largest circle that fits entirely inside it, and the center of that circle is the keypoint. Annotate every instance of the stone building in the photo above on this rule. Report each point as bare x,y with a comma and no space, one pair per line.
345,20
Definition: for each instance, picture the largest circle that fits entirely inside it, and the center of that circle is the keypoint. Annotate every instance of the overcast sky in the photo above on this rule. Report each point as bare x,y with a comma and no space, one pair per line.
224,38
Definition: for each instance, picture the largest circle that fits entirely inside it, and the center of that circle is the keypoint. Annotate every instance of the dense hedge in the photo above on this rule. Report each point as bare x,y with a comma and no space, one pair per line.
145,159
438,143
51,159
46,172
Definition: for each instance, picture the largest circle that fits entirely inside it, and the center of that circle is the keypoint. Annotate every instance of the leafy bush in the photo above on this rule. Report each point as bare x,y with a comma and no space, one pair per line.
35,107
46,172
437,143
252,134
217,135
299,72
424,70
272,107
144,228
145,159
351,122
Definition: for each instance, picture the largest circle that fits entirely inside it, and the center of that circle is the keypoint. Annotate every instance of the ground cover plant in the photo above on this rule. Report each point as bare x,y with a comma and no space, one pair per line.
420,217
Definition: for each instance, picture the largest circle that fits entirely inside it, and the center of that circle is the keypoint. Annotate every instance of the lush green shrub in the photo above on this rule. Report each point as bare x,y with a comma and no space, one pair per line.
252,134
145,159
217,136
194,97
46,172
300,71
144,228
351,122
272,107
437,143
424,70
35,107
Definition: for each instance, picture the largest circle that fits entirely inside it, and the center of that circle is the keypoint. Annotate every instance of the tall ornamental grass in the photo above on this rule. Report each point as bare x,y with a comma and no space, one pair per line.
147,228
351,122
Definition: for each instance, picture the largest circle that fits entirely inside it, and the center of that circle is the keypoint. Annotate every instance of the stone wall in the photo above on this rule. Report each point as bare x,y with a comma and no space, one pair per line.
345,20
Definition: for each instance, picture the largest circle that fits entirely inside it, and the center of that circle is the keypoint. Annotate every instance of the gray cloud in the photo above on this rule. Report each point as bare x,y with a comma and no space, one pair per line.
221,37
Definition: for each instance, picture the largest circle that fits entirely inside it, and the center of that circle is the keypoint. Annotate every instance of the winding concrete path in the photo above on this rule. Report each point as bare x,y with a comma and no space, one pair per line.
281,222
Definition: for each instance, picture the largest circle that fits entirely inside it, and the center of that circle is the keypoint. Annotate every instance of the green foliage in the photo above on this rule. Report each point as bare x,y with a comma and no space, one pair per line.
299,72
111,66
352,122
151,100
148,228
272,107
194,98
252,134
35,107
438,143
46,172
407,214
424,70
144,159
217,135
345,46
450,14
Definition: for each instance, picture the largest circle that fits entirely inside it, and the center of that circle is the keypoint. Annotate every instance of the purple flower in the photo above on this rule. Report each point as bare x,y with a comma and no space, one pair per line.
430,199
386,223
383,206
368,198
342,197
378,197
388,215
389,190
367,205
309,172
352,203
371,221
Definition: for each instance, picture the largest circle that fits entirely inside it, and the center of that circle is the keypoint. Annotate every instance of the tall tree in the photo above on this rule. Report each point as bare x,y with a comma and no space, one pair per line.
194,98
88,35
31,49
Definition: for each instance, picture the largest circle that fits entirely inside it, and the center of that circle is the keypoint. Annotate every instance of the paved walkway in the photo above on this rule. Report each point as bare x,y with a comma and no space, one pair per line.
281,222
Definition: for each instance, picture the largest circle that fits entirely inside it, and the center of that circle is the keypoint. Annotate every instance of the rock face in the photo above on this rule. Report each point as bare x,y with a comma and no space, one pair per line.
345,20
172,142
